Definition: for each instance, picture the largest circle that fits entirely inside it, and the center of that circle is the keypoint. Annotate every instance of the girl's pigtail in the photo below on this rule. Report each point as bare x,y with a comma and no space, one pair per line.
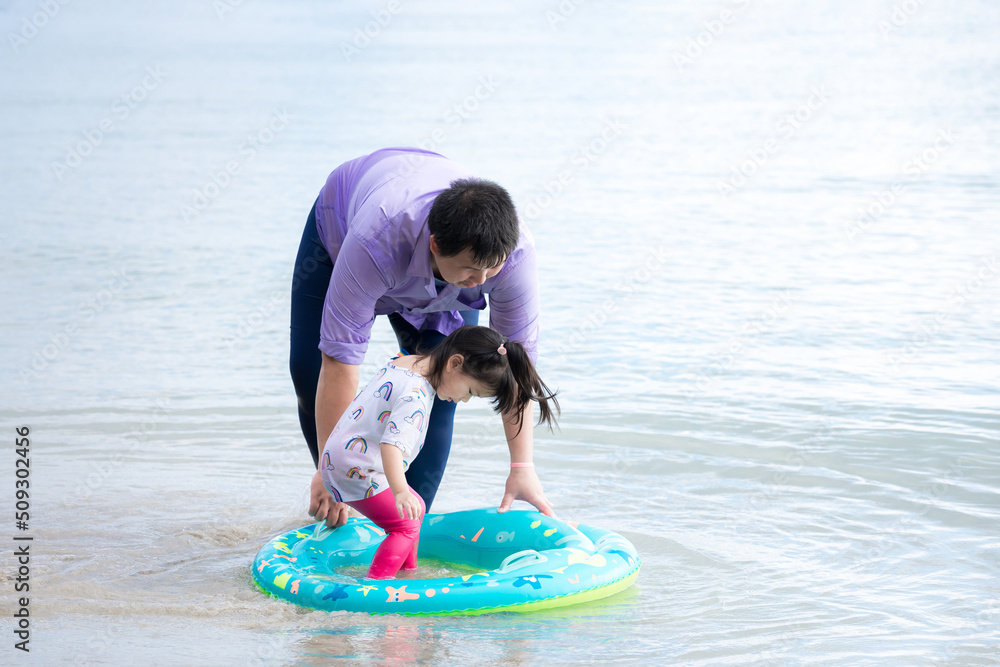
529,386
504,367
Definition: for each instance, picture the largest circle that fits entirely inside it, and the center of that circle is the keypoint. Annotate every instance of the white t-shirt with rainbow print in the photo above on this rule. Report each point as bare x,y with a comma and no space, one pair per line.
393,408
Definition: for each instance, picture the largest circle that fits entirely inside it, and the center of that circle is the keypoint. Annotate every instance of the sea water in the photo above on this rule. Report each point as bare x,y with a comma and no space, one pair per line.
767,240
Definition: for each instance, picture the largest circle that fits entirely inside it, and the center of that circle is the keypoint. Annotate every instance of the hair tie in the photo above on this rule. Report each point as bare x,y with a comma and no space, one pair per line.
501,350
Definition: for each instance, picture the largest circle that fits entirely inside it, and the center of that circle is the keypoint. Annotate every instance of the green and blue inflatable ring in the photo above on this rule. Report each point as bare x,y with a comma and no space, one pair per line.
522,560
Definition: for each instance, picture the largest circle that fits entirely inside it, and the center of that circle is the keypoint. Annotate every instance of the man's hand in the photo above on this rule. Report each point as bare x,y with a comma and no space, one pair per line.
523,484
322,505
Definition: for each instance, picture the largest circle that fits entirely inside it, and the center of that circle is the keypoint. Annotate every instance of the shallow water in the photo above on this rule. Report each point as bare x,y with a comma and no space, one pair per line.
789,407
426,569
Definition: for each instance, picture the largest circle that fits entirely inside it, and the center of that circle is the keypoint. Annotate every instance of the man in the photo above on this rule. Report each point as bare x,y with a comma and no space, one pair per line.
407,233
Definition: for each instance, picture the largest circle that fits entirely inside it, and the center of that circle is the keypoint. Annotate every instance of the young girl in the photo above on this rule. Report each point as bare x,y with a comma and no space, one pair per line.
383,429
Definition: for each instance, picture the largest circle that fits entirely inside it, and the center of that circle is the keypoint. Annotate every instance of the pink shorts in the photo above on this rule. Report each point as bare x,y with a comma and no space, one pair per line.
399,548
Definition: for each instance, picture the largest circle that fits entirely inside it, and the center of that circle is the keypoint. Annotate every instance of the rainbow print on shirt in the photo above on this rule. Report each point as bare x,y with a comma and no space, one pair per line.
372,490
355,472
417,419
356,415
358,442
387,387
327,463
382,417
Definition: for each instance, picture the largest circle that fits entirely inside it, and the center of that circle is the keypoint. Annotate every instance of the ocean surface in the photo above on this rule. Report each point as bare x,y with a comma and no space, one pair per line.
768,253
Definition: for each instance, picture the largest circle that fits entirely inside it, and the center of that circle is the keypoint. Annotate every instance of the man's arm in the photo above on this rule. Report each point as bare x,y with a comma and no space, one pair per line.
514,301
523,483
356,285
514,310
338,383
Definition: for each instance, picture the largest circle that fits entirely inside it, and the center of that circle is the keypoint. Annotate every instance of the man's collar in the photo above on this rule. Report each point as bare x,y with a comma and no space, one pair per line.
420,260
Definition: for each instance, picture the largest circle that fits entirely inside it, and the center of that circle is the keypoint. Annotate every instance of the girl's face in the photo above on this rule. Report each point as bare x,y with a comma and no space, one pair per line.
456,386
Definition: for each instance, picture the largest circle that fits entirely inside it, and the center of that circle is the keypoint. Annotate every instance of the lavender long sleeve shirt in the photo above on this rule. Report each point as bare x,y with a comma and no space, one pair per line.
372,218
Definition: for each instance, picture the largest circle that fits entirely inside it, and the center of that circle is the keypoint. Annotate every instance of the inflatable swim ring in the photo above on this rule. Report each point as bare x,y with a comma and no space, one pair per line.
522,560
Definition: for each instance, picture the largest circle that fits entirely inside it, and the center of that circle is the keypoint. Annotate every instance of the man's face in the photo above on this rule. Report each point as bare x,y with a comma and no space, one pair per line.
460,269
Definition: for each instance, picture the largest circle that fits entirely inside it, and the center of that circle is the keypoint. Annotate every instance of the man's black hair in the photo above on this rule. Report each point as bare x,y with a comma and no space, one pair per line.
474,214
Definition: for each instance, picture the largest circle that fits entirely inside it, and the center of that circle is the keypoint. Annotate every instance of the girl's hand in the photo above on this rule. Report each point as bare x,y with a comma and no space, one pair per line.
408,506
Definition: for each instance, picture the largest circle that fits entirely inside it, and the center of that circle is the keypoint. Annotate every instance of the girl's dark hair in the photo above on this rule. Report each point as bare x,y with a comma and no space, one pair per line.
478,215
511,377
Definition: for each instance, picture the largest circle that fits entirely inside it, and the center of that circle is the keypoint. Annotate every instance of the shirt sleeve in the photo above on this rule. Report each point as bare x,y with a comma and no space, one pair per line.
356,285
514,303
407,424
